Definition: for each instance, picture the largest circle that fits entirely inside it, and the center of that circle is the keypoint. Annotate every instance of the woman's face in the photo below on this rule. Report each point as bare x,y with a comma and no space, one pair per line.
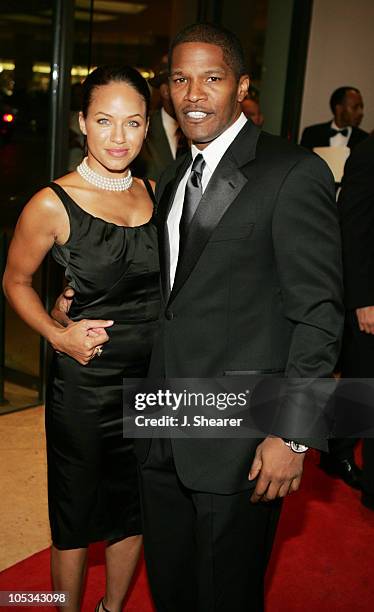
115,126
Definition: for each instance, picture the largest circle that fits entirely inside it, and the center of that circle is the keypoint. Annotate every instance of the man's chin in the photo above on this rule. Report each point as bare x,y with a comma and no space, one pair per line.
199,137
194,134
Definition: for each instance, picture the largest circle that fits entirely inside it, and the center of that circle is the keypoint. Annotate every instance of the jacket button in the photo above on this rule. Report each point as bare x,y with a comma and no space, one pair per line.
169,315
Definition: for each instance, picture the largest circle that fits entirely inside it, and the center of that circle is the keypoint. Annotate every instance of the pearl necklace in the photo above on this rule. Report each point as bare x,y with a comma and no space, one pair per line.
104,182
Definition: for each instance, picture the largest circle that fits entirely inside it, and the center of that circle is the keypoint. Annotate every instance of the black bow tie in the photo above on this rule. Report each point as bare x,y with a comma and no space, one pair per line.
333,132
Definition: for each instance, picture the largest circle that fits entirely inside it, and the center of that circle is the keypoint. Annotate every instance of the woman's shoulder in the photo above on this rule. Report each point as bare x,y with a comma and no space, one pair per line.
47,202
44,215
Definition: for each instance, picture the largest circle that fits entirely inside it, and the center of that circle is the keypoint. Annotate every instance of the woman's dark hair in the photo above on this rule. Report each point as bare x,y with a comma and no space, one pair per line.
114,74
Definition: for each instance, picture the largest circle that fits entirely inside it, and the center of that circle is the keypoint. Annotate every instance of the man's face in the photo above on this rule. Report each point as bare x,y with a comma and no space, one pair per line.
351,111
205,92
166,99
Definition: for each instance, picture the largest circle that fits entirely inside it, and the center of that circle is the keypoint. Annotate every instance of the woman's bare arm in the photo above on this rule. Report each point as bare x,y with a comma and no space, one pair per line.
42,222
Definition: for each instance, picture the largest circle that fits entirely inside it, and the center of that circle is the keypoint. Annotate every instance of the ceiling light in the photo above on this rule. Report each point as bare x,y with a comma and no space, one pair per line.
84,16
126,8
7,65
34,19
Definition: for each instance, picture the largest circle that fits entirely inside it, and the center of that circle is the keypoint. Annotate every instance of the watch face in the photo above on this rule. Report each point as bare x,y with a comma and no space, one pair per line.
298,448
295,446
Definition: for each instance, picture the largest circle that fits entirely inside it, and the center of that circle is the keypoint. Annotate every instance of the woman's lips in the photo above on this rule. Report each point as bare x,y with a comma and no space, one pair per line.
117,152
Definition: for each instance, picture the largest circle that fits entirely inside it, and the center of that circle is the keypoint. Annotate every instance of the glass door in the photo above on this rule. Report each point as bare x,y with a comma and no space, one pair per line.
25,55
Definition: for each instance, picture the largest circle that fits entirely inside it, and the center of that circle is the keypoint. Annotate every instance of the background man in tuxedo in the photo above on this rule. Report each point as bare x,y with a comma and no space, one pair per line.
251,281
348,109
165,140
251,107
356,205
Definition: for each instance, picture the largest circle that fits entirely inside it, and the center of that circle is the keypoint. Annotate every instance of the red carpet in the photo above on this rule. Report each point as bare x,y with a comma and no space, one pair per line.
323,557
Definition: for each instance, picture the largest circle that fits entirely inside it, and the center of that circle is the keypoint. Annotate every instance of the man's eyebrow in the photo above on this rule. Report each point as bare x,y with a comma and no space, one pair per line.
222,70
209,71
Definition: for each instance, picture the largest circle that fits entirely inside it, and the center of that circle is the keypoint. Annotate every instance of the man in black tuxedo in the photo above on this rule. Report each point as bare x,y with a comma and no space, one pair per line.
165,139
356,206
251,282
251,107
348,109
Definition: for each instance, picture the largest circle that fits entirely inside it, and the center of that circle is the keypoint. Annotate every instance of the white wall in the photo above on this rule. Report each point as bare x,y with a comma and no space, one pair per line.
341,52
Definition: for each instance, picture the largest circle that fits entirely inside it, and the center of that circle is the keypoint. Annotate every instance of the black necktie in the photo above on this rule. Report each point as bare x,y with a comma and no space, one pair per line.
343,132
192,197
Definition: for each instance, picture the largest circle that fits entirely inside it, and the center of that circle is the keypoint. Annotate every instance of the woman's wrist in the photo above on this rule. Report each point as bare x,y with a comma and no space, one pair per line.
54,336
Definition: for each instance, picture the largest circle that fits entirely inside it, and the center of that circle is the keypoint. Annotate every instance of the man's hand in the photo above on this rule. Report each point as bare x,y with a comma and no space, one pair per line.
62,305
279,470
365,317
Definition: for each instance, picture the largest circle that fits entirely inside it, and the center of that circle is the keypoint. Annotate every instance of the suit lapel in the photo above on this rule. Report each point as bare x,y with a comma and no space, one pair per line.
165,203
325,135
353,139
158,140
224,186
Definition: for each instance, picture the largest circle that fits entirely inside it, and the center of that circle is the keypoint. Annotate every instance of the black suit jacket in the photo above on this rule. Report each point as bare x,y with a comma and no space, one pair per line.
258,287
156,154
318,136
356,206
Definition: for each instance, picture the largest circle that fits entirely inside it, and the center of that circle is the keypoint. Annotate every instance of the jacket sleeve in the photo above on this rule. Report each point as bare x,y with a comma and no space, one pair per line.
306,140
307,245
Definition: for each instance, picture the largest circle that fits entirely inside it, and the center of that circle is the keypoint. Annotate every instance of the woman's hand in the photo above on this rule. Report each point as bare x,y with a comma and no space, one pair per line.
43,222
77,340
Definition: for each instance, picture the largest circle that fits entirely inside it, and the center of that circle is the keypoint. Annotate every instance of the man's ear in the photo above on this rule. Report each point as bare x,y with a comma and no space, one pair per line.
82,123
243,86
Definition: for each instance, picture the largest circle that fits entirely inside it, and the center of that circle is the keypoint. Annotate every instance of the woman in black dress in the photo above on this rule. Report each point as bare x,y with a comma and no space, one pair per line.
98,222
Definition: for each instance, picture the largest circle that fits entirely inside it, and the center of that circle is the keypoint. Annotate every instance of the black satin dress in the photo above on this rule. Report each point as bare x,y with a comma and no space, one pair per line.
92,474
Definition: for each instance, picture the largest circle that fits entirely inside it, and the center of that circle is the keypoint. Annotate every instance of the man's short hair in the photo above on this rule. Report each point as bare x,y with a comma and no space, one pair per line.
214,35
339,95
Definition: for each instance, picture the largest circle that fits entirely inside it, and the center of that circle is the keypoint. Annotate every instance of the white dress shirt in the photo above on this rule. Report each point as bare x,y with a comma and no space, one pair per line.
339,140
170,126
212,155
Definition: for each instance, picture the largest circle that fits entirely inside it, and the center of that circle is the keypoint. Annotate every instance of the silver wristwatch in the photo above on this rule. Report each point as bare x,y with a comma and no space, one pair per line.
295,446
